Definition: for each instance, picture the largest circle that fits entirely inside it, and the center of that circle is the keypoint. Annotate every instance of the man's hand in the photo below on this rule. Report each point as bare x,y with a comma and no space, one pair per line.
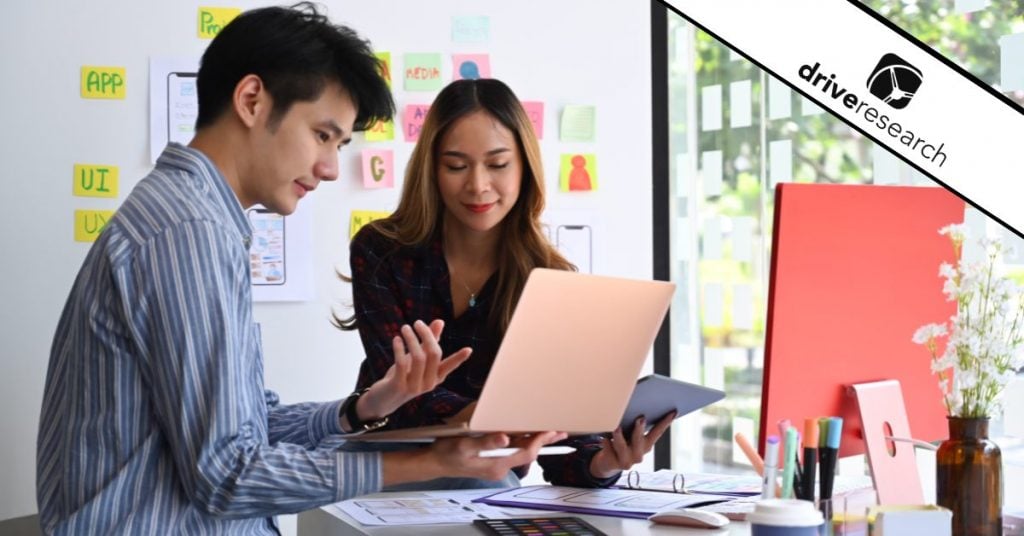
461,456
617,454
418,369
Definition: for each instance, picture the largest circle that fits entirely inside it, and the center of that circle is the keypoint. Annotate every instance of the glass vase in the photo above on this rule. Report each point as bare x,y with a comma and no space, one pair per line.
969,478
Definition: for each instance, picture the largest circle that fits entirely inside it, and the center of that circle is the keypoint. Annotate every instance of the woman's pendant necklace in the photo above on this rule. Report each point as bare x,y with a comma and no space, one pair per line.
472,299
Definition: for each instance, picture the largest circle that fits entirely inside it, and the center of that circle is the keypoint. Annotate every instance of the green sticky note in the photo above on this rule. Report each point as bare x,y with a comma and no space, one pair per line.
578,173
577,123
422,72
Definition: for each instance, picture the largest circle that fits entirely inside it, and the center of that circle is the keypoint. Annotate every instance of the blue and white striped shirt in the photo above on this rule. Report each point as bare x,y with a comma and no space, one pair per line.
154,415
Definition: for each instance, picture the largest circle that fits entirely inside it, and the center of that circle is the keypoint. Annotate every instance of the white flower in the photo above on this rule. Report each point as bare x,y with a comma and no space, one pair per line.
946,270
955,230
928,333
984,344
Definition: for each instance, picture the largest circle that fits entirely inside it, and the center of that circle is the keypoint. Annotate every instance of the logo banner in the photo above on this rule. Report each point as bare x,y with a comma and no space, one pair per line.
888,86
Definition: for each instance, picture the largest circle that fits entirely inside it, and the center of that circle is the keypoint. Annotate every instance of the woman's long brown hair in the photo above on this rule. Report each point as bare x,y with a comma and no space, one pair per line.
419,214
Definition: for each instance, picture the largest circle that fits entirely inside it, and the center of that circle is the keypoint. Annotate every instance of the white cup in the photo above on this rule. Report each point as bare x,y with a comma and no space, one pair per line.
785,517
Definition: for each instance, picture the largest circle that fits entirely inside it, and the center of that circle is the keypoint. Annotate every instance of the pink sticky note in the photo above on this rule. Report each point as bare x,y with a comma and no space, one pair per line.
471,66
535,111
378,168
413,121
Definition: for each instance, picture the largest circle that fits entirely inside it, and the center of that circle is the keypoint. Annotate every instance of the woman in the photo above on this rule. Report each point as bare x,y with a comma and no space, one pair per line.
459,247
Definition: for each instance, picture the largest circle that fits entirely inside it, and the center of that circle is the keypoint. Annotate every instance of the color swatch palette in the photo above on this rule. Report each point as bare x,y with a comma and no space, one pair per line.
538,526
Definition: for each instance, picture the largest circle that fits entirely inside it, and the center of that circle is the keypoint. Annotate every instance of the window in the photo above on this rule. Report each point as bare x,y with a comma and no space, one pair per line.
735,132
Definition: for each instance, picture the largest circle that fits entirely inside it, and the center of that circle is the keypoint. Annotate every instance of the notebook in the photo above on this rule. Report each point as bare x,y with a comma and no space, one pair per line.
572,352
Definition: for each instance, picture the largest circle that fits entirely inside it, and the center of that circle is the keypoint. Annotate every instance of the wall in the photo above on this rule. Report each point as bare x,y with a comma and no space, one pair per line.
566,52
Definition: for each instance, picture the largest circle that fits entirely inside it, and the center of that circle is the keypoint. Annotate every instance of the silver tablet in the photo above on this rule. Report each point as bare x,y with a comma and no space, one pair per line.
655,396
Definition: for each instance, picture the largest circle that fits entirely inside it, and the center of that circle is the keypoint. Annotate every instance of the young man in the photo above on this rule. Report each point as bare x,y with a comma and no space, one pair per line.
154,415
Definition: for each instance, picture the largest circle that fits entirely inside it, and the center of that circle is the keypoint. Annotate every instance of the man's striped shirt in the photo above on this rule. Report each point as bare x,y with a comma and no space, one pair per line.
154,418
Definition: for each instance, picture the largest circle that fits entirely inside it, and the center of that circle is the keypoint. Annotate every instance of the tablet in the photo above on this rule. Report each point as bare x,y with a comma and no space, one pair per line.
655,396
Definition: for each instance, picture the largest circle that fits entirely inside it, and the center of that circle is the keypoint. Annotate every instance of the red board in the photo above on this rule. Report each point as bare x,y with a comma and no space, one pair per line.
855,271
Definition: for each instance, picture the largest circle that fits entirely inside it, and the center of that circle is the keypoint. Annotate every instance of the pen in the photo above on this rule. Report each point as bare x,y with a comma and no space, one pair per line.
771,462
788,463
810,458
750,452
828,454
544,451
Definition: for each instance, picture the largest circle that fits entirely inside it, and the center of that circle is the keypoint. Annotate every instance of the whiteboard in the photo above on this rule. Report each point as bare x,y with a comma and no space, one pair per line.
569,52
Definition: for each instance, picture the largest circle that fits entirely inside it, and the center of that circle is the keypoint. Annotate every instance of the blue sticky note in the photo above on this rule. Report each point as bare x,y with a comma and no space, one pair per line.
473,29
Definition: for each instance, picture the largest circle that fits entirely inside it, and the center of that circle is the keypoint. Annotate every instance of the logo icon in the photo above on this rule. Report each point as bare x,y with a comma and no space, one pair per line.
894,81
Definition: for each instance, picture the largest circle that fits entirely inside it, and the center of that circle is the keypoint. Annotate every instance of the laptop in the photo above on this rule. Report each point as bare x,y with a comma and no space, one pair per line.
570,357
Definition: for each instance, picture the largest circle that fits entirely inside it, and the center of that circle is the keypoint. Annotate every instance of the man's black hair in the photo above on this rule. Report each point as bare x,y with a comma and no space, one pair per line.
296,52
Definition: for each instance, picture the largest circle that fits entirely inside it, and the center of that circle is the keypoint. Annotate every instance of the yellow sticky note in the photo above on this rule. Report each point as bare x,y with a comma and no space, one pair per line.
212,19
380,131
89,223
361,218
578,173
103,82
93,180
385,65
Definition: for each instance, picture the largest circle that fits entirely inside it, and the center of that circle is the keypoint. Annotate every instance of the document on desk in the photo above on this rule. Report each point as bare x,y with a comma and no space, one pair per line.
425,508
610,502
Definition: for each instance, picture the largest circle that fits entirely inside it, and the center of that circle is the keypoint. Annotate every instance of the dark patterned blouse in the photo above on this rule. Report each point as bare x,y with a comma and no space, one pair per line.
394,285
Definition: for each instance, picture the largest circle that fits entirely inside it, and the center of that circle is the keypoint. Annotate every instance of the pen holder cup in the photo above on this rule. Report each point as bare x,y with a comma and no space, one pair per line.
784,517
847,514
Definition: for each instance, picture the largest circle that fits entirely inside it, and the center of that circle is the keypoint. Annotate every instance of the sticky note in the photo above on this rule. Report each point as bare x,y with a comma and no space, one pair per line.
683,176
471,29
780,161
471,66
742,239
739,103
213,19
385,65
714,307
535,111
742,307
95,180
578,173
920,179
422,72
1011,62
412,120
711,172
809,107
1015,253
380,131
711,107
378,168
103,82
89,223
780,99
967,6
711,239
578,123
885,168
359,218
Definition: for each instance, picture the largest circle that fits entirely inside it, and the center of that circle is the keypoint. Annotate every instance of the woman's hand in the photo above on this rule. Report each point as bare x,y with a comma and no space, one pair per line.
617,454
418,369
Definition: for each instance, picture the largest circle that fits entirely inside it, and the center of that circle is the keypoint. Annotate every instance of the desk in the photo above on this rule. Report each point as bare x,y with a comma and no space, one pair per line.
319,522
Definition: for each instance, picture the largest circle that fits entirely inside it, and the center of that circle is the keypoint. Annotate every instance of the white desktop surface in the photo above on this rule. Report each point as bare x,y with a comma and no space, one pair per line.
320,522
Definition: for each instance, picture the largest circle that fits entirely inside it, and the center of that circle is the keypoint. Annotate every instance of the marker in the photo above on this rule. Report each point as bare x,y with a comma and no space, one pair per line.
750,452
810,458
828,456
544,451
788,463
771,463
